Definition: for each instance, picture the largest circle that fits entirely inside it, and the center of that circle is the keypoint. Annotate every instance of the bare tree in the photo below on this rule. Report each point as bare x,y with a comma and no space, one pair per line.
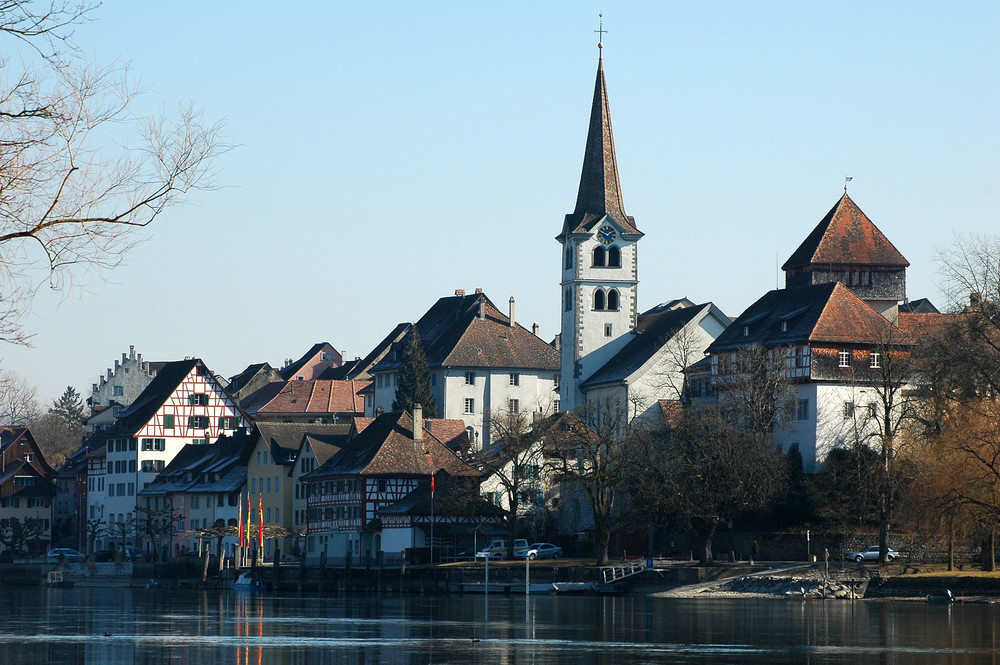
513,461
14,533
18,400
157,525
75,192
590,451
94,529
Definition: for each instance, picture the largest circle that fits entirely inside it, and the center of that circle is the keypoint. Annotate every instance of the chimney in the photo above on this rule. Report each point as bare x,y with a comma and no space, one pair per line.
478,291
379,411
482,308
534,329
557,342
418,423
131,351
512,311
459,292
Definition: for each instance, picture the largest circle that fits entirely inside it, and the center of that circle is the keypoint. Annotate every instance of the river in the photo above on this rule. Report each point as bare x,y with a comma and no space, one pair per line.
87,626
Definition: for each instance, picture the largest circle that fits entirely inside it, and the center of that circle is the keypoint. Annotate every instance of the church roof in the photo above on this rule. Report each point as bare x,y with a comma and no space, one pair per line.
600,190
829,313
845,237
655,328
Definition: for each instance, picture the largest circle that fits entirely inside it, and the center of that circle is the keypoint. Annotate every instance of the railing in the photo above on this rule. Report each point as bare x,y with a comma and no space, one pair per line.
615,573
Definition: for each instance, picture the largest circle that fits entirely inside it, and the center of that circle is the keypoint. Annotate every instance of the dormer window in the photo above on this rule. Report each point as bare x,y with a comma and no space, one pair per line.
746,331
784,326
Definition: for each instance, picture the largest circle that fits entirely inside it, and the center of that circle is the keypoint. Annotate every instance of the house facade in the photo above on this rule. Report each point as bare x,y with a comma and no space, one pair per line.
184,404
27,489
481,361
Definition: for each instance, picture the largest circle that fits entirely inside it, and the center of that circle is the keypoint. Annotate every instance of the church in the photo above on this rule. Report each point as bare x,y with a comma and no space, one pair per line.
609,351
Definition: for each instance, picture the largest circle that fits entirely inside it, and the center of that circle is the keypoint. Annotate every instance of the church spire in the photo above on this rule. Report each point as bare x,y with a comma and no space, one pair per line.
600,190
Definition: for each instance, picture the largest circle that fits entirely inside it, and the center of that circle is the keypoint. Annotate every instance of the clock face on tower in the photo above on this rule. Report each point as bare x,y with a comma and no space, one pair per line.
606,235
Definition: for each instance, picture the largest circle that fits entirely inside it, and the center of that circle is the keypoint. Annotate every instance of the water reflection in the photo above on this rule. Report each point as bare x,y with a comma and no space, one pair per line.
117,626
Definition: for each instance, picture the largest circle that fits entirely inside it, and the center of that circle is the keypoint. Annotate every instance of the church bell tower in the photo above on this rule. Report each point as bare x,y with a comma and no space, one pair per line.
599,261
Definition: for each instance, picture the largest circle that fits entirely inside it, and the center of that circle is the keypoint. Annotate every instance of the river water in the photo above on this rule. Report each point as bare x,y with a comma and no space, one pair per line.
158,626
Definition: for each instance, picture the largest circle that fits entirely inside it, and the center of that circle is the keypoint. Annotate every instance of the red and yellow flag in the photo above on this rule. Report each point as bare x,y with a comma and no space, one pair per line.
249,521
260,523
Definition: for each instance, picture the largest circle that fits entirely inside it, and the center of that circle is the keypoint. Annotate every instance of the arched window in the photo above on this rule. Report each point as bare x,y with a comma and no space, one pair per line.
569,258
567,300
614,257
613,299
598,299
598,256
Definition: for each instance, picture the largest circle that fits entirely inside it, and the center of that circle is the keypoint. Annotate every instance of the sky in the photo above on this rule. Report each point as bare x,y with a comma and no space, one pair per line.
386,154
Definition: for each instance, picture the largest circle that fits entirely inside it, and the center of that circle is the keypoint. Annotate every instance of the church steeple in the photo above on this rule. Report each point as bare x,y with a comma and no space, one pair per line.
600,190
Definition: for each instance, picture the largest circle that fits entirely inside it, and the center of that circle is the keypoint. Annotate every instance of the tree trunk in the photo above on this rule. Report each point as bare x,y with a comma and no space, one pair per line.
706,533
951,542
601,539
989,562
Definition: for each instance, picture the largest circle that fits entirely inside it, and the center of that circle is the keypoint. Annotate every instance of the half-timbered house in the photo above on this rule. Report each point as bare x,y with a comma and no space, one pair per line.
184,404
380,466
27,489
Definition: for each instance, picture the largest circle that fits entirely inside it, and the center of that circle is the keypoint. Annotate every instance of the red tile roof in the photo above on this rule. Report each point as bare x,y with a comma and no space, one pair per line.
847,318
845,237
317,397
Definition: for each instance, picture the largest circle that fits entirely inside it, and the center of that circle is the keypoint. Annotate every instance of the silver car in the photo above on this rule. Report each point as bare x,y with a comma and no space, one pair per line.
540,551
870,554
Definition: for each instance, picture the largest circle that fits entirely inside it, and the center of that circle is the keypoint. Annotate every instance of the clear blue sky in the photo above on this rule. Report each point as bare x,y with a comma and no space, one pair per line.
389,153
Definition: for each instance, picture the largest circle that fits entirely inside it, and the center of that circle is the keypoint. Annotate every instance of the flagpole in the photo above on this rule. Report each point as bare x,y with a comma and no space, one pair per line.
432,518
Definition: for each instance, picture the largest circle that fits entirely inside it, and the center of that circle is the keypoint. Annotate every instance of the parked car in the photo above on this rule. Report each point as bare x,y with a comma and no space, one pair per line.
870,554
8,556
67,553
104,556
131,553
539,551
497,548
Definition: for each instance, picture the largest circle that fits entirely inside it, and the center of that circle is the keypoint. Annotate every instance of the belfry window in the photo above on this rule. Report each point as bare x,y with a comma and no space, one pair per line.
599,256
567,300
613,299
569,258
599,299
614,257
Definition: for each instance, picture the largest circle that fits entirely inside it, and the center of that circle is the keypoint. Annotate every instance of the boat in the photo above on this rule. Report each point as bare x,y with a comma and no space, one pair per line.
247,582
945,598
57,580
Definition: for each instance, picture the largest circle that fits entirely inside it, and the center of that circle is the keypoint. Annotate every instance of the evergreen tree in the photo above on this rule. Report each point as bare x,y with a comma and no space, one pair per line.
69,408
414,379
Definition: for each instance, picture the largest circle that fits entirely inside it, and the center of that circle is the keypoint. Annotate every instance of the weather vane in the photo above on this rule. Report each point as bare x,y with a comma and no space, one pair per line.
847,179
600,31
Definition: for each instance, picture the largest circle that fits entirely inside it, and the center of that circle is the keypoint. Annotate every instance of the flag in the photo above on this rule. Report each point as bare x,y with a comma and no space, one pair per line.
239,508
260,523
432,484
249,520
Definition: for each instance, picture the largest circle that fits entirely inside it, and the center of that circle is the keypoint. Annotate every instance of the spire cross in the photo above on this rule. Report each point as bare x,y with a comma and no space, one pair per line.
600,31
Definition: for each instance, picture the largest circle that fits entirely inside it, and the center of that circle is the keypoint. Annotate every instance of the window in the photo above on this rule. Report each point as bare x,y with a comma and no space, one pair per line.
608,328
227,422
470,378
470,405
118,391
276,484
875,360
555,406
614,257
268,515
613,299
152,465
848,410
328,355
555,381
599,301
198,422
746,331
568,260
198,399
154,444
599,257
802,410
111,489
844,358
381,484
513,405
253,485
567,300
269,484
784,326
515,379
131,489
168,422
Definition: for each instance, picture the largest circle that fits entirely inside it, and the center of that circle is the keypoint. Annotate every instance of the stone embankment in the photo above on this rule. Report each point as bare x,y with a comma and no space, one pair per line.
808,587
